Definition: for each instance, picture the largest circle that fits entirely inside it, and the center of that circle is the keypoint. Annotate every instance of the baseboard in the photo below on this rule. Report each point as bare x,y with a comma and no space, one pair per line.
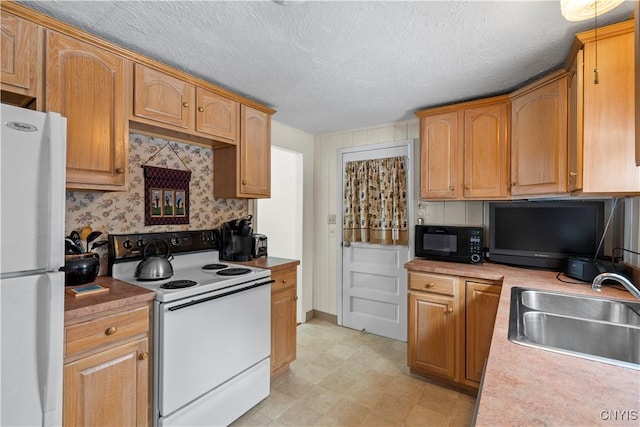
317,314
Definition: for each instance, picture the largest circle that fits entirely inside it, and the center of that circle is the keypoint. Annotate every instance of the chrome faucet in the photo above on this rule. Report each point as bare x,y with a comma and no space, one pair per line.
597,283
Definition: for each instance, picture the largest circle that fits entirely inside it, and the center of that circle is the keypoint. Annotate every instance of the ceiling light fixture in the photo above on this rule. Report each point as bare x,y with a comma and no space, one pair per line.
579,10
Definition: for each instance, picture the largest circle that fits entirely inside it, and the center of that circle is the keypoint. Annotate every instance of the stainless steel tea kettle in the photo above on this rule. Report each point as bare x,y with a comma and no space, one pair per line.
154,267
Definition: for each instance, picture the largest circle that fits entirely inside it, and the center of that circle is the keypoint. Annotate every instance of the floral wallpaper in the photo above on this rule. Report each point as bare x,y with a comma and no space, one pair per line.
123,212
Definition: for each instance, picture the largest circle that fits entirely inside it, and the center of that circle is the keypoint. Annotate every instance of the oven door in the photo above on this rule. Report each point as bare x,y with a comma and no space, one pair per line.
205,341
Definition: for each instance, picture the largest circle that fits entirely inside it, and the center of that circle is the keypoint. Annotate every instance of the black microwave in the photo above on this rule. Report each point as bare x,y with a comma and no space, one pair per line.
449,243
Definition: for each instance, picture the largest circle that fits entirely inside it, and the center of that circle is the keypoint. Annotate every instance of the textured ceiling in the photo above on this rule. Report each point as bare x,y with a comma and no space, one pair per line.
332,65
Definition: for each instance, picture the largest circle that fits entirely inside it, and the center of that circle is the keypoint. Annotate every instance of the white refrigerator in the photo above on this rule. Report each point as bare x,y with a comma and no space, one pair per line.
32,173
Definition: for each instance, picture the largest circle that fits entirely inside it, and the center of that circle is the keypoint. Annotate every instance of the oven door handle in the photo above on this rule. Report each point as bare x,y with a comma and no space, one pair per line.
235,291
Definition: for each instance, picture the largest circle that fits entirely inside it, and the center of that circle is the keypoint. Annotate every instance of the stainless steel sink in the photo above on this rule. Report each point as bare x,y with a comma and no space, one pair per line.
593,328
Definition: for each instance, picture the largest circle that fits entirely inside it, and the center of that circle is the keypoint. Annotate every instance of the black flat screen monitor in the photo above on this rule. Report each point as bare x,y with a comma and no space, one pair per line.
544,234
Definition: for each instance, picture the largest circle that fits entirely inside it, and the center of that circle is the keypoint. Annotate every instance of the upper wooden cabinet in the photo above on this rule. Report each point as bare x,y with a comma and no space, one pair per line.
167,101
89,86
163,98
539,137
21,54
465,150
602,115
245,171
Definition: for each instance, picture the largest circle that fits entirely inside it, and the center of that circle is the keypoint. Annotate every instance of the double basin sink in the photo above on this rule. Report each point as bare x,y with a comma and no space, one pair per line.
593,328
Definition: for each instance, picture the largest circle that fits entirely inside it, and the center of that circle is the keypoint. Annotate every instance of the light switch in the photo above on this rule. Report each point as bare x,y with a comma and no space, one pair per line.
331,219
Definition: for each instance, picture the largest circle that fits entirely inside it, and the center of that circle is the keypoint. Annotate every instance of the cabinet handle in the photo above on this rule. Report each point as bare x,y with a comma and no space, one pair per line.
143,356
120,171
573,174
452,188
110,331
244,182
201,109
185,104
428,285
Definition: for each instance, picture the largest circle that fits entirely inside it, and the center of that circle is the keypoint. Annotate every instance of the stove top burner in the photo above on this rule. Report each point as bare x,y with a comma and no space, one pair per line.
214,267
178,284
233,271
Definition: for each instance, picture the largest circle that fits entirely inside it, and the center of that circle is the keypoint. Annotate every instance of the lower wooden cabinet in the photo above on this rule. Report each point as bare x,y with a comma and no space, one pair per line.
283,319
451,321
107,369
481,306
432,334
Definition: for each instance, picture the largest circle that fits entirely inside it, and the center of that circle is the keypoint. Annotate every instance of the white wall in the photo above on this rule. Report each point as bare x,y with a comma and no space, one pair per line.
301,142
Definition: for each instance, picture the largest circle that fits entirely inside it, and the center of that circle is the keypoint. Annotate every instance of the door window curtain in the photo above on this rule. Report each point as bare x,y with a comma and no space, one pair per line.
375,201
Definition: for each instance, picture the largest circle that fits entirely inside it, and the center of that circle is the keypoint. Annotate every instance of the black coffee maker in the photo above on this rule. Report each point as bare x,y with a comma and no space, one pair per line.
235,240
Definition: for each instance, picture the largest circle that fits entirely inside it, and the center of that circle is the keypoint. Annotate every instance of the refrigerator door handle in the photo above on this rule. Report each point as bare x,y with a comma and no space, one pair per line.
50,357
56,132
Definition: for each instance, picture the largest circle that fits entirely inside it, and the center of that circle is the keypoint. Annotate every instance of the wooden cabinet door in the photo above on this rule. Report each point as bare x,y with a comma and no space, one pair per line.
255,153
575,120
108,388
88,86
486,151
283,328
217,116
439,156
539,152
610,115
432,334
20,55
481,307
163,98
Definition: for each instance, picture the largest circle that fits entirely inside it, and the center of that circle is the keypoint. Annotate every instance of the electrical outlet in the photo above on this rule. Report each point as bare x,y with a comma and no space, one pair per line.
331,219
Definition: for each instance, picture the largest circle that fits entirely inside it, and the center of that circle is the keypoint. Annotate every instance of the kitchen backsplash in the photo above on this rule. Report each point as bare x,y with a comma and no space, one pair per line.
123,212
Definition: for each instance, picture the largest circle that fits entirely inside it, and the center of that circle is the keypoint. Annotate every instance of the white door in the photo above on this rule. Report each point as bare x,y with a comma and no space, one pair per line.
374,282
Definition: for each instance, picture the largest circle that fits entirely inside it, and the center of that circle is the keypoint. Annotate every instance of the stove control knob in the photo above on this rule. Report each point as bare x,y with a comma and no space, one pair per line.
127,244
140,243
204,237
175,240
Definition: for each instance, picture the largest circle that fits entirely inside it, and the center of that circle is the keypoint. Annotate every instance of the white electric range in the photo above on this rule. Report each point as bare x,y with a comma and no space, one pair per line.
212,326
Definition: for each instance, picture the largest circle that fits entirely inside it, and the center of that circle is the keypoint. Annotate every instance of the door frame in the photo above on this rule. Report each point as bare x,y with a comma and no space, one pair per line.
408,146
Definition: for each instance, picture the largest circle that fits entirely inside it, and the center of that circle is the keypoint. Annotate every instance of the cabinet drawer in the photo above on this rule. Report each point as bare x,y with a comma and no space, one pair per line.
105,330
283,280
435,283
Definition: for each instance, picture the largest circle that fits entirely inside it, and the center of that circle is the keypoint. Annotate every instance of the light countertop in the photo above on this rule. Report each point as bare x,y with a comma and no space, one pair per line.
529,386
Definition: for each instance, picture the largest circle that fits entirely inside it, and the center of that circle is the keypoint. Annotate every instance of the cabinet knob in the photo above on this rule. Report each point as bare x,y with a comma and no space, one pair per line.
284,280
120,171
185,104
428,285
244,182
513,183
573,174
449,310
143,356
201,109
110,331
451,187
295,298
466,187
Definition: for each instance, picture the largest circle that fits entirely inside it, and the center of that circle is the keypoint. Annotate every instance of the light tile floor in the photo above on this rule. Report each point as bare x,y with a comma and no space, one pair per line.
344,378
